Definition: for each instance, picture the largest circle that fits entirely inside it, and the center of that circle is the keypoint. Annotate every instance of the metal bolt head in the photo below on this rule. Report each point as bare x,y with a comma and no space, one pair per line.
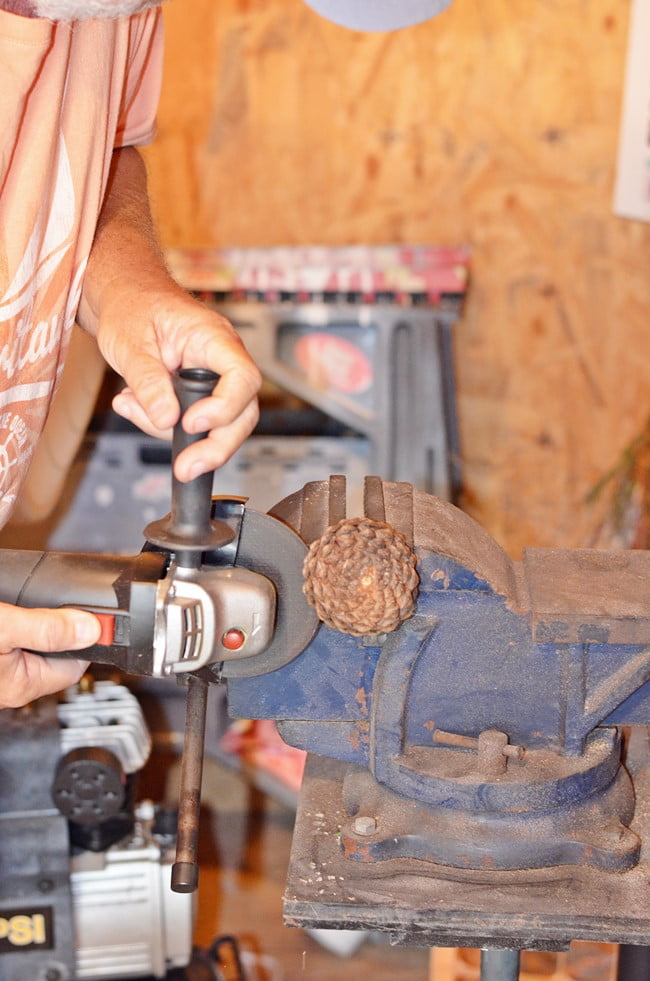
365,825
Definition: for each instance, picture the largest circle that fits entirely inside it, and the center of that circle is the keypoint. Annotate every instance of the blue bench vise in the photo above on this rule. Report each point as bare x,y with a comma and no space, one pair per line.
484,741
496,710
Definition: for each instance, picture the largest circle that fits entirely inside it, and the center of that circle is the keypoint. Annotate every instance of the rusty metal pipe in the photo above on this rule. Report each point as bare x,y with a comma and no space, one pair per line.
185,870
499,965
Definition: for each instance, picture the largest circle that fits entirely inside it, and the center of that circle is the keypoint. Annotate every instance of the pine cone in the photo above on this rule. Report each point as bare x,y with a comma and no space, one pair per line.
361,578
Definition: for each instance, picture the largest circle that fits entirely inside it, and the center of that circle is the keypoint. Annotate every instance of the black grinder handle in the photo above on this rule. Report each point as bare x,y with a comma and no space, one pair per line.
191,501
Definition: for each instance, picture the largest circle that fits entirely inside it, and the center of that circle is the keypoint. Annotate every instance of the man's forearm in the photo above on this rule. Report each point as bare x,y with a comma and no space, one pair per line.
125,252
147,328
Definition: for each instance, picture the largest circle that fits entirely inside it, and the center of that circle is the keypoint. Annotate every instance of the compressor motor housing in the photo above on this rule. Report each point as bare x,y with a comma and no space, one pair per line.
87,898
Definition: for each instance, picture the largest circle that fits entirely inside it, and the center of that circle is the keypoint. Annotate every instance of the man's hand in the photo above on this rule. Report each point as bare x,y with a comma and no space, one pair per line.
148,337
25,676
148,327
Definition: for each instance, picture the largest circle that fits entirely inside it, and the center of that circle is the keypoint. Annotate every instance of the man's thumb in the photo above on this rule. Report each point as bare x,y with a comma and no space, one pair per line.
47,630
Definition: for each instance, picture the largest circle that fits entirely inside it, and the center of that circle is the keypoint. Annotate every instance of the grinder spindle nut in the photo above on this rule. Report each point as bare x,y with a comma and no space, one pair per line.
361,577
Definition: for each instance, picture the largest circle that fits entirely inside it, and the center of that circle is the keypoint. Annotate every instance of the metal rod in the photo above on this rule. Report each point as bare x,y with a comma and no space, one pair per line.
633,963
185,871
499,965
455,739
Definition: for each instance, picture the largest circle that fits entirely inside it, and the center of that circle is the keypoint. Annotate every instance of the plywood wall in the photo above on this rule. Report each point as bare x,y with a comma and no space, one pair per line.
496,125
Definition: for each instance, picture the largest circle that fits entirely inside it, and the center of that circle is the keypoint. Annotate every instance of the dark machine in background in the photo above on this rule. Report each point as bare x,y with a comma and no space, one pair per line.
478,770
85,867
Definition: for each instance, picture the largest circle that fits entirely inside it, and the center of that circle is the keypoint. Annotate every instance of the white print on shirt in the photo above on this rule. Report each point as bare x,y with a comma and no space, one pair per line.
15,432
30,345
44,251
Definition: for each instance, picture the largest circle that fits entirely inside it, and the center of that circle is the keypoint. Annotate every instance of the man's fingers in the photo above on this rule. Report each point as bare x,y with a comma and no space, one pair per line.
127,406
150,393
46,630
211,453
25,677
236,390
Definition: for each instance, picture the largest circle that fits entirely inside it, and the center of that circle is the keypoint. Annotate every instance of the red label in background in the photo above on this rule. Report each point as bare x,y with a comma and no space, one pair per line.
332,362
